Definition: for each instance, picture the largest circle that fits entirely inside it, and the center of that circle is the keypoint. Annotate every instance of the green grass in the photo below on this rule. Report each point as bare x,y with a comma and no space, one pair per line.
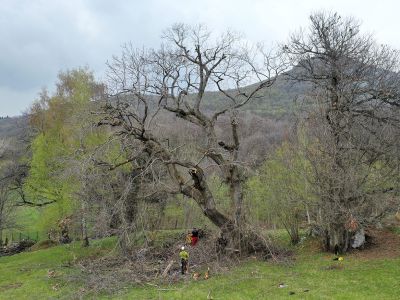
27,219
378,279
24,276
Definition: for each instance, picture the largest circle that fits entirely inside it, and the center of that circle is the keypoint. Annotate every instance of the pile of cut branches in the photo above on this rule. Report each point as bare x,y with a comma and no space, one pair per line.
157,266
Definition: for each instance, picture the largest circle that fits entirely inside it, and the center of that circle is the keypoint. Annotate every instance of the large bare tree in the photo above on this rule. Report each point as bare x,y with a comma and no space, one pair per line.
173,84
352,122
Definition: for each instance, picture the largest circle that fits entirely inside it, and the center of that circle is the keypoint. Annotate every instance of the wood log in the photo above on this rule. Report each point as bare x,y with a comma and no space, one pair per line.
165,273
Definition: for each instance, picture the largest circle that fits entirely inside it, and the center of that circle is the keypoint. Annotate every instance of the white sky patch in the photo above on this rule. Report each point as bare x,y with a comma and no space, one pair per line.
87,23
11,99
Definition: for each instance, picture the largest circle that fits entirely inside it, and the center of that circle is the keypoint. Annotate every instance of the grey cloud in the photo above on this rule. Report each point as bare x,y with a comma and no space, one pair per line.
39,38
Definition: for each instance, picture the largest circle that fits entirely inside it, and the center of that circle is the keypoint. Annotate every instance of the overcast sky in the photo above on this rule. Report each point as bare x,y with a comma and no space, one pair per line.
41,37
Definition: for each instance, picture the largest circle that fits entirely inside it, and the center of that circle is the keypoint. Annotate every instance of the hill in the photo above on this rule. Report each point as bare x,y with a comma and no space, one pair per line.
14,127
275,102
278,101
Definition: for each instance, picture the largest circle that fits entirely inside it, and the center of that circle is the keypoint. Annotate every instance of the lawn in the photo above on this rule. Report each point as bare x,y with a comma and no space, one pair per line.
311,275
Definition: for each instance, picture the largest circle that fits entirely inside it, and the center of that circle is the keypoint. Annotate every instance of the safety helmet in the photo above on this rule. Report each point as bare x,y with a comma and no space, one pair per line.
183,248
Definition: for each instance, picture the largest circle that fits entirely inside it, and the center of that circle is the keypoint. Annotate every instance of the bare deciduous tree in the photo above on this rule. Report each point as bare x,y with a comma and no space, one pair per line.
352,121
188,70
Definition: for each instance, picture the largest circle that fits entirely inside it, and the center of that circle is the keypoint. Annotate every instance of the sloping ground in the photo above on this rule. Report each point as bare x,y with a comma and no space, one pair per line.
39,274
44,274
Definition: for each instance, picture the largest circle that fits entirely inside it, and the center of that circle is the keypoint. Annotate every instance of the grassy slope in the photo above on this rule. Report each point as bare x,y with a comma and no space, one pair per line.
24,276
377,279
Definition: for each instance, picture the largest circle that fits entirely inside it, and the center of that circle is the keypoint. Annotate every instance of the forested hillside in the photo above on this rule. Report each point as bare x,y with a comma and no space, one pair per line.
13,127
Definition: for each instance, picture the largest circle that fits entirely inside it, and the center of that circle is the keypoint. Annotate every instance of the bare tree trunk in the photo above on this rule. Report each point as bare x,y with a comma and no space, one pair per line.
236,194
84,232
207,204
131,201
308,215
236,178
294,234
337,239
85,238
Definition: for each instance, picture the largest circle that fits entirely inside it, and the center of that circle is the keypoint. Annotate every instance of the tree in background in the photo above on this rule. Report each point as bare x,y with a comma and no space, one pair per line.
280,192
63,126
7,201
